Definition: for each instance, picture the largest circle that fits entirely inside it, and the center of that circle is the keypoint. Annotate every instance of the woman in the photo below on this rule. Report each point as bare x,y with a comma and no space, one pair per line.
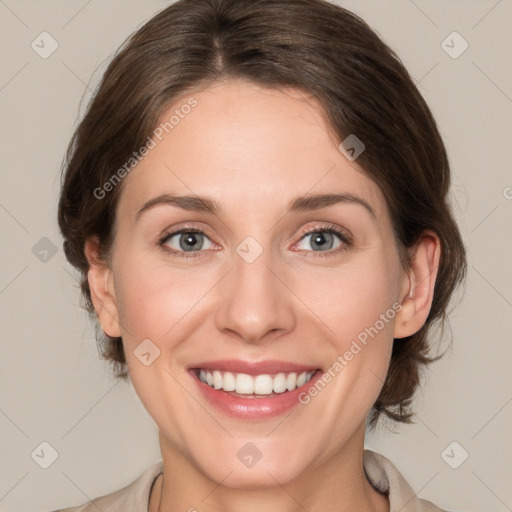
256,200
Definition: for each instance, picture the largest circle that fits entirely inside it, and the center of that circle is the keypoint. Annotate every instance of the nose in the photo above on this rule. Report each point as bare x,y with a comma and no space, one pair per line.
255,304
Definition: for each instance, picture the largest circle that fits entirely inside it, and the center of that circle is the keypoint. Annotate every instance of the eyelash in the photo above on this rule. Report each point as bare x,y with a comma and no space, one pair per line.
325,228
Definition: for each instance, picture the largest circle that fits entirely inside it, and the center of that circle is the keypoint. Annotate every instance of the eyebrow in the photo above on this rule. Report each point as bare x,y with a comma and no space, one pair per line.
298,204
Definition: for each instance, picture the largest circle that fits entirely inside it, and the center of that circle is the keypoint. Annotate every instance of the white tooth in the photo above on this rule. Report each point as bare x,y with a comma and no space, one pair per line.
280,383
291,381
301,379
260,385
244,384
229,382
217,379
263,385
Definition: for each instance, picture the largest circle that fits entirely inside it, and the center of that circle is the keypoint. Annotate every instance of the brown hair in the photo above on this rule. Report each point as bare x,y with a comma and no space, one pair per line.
310,45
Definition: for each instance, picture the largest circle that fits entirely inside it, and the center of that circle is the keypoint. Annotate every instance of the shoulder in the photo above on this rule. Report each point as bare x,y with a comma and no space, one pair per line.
131,498
385,477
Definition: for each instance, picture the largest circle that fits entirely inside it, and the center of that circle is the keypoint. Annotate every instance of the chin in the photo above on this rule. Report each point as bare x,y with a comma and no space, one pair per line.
256,478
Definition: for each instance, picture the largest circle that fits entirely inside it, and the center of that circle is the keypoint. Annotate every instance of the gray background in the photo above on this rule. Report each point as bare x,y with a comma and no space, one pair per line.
54,388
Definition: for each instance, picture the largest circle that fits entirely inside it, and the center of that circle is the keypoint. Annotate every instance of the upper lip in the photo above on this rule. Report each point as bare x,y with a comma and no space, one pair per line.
253,367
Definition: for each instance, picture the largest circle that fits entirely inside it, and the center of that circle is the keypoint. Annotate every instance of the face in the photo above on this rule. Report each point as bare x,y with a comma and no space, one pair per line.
263,289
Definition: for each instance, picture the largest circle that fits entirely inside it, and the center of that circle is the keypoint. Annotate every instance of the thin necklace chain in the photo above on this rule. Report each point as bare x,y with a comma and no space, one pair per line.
161,493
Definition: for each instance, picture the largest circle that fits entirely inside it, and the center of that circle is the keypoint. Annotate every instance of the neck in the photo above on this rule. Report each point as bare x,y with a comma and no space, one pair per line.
339,485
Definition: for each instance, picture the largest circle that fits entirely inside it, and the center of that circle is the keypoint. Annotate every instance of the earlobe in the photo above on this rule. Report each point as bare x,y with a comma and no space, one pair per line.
421,278
101,284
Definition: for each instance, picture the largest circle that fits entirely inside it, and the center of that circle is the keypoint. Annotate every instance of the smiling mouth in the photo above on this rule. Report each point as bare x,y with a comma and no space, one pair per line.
254,386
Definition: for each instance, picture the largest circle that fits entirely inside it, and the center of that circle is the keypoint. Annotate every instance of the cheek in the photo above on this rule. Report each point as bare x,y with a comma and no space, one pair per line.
357,304
353,297
154,298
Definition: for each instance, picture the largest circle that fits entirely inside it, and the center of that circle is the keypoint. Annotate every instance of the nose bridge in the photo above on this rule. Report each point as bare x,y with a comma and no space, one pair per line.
254,301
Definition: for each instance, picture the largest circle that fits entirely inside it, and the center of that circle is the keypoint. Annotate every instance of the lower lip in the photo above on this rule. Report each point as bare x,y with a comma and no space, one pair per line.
253,408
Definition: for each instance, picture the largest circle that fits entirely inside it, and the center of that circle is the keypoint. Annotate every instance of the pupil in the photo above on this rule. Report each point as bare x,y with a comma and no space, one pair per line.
320,239
190,240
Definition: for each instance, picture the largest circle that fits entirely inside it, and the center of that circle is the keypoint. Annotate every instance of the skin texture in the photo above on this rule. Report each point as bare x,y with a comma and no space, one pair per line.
253,150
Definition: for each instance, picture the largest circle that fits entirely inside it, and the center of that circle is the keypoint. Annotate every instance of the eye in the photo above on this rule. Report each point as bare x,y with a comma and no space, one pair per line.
186,240
324,239
191,242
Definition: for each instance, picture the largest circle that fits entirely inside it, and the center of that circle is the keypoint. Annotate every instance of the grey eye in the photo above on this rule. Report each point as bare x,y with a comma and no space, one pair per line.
188,241
321,240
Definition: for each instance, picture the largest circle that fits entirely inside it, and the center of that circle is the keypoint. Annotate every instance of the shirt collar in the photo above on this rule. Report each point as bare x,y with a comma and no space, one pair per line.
385,478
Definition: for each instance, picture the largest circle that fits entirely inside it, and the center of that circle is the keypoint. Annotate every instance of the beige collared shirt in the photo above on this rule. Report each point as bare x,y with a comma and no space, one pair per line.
381,472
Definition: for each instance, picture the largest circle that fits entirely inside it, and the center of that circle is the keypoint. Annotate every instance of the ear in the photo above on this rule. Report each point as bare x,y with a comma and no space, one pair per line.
101,283
418,288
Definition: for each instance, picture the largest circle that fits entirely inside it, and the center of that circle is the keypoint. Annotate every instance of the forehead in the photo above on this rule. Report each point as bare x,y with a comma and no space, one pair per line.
247,146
